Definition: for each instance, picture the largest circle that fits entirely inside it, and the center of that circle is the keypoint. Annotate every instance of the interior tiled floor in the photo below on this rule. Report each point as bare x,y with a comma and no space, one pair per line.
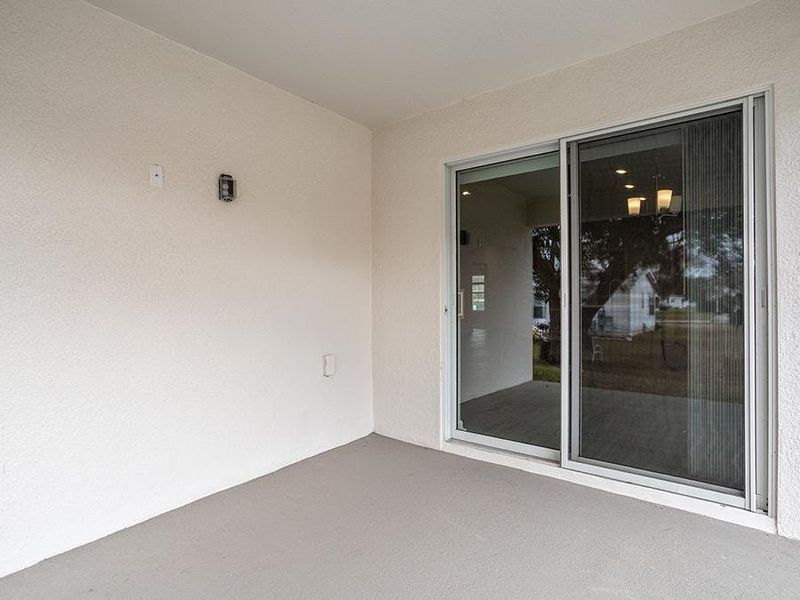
647,431
383,519
529,413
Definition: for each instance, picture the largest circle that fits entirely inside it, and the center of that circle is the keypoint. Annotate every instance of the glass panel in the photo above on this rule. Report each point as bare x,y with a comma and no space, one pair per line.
661,289
509,335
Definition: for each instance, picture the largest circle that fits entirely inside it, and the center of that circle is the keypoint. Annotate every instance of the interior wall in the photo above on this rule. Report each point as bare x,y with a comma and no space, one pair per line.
726,56
496,342
161,345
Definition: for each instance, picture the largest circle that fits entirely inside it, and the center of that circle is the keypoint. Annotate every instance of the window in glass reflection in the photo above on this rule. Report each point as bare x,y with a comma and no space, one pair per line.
479,292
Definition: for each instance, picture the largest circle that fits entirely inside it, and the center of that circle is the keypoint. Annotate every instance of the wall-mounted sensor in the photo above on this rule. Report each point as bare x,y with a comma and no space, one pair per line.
227,188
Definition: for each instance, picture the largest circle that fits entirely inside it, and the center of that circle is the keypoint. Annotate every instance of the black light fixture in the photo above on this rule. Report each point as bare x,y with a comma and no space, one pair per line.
226,188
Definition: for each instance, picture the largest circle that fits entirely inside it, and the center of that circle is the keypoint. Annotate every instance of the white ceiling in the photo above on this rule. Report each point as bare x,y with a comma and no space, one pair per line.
378,61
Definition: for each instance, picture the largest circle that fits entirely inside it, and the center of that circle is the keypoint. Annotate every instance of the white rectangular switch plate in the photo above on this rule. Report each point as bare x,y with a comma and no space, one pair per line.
328,365
156,176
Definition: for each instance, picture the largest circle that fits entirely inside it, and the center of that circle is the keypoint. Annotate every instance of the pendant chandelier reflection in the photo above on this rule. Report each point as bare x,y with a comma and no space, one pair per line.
663,199
666,203
635,205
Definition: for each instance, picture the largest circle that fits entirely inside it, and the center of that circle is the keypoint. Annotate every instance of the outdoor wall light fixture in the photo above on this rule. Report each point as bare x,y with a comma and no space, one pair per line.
226,188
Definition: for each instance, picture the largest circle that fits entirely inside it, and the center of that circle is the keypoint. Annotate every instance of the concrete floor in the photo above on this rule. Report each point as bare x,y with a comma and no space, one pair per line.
382,519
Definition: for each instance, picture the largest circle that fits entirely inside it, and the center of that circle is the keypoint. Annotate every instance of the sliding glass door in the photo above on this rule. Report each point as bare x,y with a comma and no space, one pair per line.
659,281
612,307
508,285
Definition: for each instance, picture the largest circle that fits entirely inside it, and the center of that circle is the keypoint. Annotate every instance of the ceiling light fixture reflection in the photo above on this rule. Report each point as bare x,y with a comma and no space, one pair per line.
635,205
465,193
629,186
663,200
620,171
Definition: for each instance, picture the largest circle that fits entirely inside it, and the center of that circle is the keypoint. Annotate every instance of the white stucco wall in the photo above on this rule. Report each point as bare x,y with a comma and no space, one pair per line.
727,56
160,345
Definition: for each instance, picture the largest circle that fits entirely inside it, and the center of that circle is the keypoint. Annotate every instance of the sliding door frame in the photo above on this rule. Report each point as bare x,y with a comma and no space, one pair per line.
757,456
570,441
451,337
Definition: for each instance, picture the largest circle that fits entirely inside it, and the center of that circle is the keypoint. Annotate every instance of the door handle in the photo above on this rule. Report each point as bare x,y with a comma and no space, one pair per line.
461,304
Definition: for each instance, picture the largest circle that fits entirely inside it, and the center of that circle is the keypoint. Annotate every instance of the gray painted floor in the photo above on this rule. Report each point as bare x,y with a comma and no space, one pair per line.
382,519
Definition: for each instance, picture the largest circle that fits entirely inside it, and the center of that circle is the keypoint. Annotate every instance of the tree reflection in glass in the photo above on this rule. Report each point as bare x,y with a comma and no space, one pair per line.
661,301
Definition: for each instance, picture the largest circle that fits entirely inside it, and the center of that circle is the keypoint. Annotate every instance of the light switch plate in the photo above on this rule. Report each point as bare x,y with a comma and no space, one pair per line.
328,365
156,176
